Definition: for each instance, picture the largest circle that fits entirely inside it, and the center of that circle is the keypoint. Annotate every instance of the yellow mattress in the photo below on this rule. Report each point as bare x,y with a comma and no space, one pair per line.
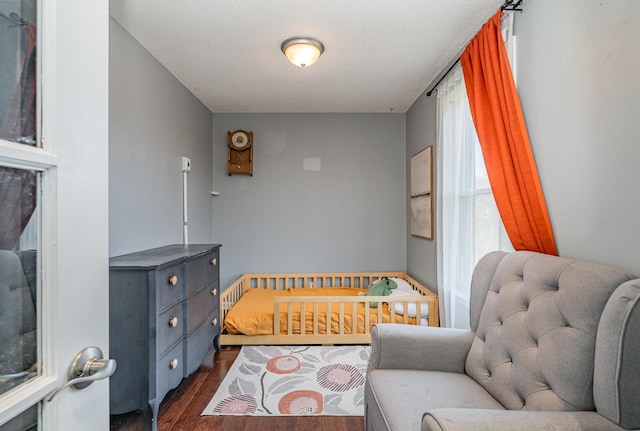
253,313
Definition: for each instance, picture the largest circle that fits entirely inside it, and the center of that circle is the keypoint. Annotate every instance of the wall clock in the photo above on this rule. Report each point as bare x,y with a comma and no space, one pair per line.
240,159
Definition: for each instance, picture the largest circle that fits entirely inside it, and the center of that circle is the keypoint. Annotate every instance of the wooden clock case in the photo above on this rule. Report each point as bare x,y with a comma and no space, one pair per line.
240,159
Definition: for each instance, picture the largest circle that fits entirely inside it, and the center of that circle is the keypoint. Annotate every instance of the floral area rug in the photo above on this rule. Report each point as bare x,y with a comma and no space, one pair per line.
293,380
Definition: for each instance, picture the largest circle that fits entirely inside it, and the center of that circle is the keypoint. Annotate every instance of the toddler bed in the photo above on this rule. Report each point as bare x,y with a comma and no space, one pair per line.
318,308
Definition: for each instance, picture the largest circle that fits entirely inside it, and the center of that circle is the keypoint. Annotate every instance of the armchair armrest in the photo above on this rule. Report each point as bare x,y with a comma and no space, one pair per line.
521,420
419,347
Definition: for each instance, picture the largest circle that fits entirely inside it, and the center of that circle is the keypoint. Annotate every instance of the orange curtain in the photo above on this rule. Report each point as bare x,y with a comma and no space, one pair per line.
499,121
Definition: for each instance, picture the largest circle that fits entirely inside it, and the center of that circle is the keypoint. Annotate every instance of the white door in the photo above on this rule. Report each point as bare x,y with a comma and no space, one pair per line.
53,210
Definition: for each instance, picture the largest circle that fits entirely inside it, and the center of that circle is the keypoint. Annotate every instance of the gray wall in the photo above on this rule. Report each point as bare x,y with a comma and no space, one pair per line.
579,83
154,120
349,216
421,133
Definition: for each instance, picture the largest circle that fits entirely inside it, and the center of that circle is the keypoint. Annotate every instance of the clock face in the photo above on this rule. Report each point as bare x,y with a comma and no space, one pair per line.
239,139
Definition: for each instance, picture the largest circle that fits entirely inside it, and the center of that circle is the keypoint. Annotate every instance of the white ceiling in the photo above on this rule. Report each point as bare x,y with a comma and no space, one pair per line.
380,55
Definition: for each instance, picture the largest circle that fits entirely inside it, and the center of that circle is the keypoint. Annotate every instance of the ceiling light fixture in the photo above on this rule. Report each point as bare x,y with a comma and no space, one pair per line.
302,51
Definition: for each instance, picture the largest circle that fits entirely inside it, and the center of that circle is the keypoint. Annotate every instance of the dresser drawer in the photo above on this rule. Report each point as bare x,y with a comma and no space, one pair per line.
202,271
202,303
169,286
200,341
170,370
169,328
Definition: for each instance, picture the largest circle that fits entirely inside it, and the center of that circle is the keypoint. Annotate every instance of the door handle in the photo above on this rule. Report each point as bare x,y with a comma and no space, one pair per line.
85,368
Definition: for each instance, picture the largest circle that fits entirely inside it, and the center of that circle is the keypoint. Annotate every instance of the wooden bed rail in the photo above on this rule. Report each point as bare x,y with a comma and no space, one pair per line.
314,280
354,301
230,296
308,307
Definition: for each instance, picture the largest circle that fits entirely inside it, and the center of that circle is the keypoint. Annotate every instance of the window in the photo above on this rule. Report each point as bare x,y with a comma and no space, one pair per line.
469,223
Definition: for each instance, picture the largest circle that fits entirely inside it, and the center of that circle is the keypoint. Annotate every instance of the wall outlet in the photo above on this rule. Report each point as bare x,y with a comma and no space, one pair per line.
186,164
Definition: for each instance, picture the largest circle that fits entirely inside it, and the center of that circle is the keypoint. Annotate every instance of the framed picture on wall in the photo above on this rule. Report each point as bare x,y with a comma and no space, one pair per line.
421,194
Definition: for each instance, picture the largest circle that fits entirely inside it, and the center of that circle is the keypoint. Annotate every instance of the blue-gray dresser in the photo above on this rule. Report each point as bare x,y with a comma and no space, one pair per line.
164,317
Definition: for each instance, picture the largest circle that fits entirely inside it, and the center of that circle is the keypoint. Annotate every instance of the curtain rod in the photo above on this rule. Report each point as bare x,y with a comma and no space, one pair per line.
509,5
512,5
442,77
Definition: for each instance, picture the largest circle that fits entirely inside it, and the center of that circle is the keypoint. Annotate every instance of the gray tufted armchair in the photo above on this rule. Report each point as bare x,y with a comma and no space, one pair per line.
554,344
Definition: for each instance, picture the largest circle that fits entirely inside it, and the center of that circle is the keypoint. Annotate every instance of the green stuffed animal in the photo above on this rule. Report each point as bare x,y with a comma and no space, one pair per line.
381,287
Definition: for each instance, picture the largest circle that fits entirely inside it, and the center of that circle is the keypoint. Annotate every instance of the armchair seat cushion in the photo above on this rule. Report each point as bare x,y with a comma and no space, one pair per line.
397,399
514,420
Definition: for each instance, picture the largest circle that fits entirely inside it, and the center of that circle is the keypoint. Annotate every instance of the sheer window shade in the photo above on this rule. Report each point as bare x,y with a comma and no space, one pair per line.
469,224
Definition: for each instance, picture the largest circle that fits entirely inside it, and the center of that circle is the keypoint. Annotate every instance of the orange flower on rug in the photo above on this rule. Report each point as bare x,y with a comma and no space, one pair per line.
293,380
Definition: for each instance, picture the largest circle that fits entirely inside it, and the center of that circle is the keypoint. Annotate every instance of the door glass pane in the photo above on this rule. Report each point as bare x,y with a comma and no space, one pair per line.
25,421
18,68
19,277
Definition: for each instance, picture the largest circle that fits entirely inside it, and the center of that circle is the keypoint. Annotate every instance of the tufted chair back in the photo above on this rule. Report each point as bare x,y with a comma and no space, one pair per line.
17,317
539,341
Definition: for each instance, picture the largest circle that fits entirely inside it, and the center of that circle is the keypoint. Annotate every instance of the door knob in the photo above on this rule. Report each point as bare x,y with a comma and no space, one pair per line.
85,368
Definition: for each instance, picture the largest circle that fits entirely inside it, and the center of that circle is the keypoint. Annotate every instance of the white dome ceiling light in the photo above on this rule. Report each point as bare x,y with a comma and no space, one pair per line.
302,51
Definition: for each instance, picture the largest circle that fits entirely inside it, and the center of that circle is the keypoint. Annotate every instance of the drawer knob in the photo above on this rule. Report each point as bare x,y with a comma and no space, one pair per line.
214,292
214,261
214,322
173,280
173,322
173,364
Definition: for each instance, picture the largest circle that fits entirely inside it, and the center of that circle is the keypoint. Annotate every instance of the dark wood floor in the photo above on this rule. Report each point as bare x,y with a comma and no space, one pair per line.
181,408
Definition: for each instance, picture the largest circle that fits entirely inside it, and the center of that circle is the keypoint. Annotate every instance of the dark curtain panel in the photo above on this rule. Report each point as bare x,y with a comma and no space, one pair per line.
19,124
18,187
17,202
